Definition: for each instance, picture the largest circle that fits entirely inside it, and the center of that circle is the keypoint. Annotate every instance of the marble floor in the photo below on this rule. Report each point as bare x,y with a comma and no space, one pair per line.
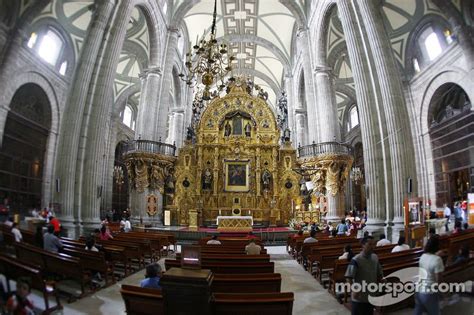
310,296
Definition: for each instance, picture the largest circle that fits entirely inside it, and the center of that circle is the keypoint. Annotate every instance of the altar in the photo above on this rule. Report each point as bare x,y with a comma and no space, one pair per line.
234,223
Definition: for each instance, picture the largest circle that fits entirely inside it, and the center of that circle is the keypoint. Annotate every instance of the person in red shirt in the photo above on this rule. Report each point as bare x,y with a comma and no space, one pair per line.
57,225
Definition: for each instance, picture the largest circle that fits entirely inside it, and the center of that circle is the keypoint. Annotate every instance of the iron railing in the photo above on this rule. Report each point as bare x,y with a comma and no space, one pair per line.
149,146
316,149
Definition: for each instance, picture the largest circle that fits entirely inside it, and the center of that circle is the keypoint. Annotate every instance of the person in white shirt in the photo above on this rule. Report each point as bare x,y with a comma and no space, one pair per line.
383,241
16,232
401,245
447,215
9,222
311,238
125,225
431,268
214,241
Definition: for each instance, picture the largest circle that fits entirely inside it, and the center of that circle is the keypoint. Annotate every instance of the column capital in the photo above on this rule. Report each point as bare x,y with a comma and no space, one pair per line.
323,68
174,30
151,70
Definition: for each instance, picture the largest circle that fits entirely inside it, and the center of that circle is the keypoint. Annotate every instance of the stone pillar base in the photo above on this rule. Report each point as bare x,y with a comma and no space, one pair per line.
375,227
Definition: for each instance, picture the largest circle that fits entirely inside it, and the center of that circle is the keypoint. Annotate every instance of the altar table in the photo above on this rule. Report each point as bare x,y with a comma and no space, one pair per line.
234,223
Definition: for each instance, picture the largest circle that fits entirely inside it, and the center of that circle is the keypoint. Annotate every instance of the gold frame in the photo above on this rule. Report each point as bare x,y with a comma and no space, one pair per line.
237,188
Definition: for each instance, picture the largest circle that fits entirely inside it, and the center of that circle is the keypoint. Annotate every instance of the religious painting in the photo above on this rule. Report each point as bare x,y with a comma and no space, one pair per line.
151,205
414,212
237,175
237,125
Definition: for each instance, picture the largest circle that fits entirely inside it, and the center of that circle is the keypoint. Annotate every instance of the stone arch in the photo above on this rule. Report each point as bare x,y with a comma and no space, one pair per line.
321,27
458,77
151,13
121,102
30,77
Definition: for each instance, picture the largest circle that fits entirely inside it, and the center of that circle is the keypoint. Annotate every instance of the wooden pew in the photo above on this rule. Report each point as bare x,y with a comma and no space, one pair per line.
61,265
237,258
231,241
246,283
218,249
13,269
94,261
229,267
252,303
142,301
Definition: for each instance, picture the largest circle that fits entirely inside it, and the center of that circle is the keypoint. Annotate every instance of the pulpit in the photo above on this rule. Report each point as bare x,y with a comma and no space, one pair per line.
234,223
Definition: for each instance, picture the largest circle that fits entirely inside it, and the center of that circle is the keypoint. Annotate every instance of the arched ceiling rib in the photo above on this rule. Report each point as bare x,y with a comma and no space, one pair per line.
259,33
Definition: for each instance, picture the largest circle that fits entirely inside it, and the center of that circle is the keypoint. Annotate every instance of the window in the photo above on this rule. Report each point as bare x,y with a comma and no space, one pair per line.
432,40
49,45
127,117
353,118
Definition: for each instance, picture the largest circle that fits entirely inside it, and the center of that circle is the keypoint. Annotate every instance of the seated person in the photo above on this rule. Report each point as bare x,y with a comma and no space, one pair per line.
152,277
252,248
125,225
462,256
105,235
311,238
348,253
341,227
214,241
333,233
90,244
20,302
383,241
401,245
16,232
50,241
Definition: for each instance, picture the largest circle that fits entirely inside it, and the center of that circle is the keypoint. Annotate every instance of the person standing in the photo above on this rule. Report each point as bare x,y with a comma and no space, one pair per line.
431,268
447,215
364,267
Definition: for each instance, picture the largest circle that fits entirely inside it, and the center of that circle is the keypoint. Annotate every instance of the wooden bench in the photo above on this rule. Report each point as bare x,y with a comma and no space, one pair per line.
13,269
237,258
229,267
60,265
252,303
246,283
142,301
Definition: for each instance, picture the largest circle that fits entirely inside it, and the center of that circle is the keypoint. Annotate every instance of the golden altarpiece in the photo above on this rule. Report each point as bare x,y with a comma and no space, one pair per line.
235,165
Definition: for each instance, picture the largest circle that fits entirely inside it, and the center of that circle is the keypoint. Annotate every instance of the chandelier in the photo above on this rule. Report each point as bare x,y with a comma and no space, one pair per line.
208,61
356,175
118,175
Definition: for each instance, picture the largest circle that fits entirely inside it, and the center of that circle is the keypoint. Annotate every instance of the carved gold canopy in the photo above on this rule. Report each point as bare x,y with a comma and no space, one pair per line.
236,163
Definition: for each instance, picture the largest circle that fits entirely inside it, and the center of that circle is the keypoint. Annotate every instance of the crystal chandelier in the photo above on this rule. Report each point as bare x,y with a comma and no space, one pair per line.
118,175
208,61
356,175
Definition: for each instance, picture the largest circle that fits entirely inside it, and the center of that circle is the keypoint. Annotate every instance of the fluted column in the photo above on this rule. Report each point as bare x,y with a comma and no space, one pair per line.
300,129
99,118
398,129
313,126
372,131
326,103
178,128
148,107
164,98
291,106
68,148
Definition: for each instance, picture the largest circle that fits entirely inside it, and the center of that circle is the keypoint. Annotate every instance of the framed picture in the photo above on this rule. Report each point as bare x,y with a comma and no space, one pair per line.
237,175
414,212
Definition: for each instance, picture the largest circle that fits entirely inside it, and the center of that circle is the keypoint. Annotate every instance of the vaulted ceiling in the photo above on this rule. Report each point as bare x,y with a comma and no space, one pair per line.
258,32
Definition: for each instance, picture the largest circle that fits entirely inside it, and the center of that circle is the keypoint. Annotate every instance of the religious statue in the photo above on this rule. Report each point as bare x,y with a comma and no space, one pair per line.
227,129
248,130
266,177
287,135
207,179
190,133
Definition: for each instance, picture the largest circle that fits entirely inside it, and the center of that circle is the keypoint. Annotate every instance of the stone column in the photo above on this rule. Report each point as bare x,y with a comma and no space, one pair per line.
291,99
98,118
164,98
178,128
372,131
71,122
148,107
313,126
326,104
399,135
300,129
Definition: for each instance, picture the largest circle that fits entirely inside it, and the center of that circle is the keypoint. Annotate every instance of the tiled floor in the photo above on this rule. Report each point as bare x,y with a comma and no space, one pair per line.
310,296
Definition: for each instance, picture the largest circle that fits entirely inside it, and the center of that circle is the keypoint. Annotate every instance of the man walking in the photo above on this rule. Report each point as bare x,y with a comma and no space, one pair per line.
364,267
447,215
